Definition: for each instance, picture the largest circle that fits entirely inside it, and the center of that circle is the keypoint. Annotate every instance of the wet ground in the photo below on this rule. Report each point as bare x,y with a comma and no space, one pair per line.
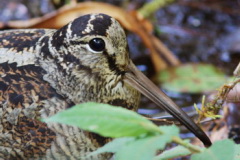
196,33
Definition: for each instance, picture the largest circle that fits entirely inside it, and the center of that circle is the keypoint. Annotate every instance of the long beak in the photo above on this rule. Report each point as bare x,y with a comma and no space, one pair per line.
140,82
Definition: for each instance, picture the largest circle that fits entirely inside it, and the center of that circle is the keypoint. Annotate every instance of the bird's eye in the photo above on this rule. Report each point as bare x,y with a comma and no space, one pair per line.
97,44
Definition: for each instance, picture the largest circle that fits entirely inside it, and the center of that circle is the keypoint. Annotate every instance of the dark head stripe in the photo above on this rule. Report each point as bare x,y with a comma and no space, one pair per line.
80,24
112,63
100,24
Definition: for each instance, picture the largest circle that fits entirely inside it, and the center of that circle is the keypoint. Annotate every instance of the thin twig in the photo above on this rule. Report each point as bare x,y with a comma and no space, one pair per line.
192,148
153,6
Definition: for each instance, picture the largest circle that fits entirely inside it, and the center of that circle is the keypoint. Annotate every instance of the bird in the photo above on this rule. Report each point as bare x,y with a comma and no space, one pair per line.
45,71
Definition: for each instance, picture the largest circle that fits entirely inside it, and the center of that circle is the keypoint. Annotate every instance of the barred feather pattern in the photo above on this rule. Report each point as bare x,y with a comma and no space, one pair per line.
44,71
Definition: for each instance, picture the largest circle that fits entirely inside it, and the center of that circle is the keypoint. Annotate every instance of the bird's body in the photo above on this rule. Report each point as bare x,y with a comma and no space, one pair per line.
39,78
45,71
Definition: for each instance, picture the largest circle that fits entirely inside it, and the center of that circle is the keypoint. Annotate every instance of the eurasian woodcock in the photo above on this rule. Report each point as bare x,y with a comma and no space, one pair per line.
44,71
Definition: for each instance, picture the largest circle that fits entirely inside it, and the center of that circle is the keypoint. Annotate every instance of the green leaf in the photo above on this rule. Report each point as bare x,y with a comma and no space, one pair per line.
220,150
192,78
173,153
121,145
106,120
143,149
237,152
170,130
113,146
146,148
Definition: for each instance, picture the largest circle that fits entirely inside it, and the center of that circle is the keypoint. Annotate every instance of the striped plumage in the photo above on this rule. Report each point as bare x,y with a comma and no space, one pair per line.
44,71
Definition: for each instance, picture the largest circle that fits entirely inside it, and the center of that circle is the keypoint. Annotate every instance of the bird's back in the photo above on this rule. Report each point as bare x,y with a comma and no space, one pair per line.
25,97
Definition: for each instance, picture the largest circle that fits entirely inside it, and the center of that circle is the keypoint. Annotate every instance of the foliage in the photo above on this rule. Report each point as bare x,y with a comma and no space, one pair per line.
153,6
139,139
206,111
221,150
95,118
210,109
192,78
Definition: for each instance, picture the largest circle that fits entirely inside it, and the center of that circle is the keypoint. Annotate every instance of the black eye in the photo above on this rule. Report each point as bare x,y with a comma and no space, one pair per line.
97,44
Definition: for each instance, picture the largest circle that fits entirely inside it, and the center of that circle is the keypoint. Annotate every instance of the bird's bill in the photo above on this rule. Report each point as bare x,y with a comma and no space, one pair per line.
140,82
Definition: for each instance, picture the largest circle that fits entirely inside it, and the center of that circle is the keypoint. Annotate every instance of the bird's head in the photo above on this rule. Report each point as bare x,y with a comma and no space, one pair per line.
95,45
94,41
